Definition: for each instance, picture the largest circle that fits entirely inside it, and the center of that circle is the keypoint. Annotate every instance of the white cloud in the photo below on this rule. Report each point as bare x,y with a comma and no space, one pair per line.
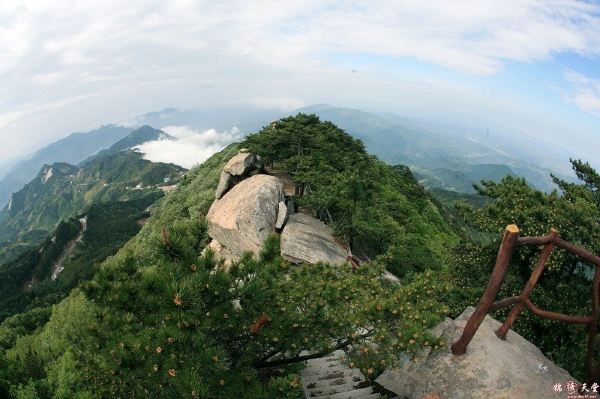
584,92
190,147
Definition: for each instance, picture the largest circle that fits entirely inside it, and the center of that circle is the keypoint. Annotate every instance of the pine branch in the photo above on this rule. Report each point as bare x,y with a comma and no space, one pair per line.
283,362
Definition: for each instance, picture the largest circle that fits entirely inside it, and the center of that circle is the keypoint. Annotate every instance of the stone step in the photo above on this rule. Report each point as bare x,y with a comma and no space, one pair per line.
321,370
354,394
326,368
331,389
331,378
323,360
333,382
313,377
323,364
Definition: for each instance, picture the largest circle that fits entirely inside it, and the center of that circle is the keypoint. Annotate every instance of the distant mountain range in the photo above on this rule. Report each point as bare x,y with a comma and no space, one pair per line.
71,149
60,189
441,155
449,157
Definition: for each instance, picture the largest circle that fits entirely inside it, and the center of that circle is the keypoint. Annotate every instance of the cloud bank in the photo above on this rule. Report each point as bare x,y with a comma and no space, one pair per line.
190,147
70,64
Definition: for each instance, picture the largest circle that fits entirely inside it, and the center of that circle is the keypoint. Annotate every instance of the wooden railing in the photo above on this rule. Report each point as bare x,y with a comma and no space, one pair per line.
486,304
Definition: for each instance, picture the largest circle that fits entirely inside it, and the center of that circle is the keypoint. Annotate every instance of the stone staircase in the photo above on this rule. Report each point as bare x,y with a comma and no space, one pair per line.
330,378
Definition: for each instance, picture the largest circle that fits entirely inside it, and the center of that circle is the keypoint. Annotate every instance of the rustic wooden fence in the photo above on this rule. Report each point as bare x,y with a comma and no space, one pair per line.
486,304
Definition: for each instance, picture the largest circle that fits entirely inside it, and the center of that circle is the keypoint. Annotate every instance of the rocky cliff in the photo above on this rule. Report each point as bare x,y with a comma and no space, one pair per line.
250,204
492,368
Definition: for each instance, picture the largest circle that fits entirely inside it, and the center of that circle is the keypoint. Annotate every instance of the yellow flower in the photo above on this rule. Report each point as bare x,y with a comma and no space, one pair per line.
158,349
172,372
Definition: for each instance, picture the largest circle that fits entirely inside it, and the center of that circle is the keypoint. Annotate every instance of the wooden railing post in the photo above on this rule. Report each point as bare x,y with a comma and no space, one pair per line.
533,279
593,373
509,243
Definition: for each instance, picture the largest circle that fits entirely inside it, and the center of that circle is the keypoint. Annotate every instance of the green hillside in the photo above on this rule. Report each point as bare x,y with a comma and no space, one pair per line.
158,319
61,190
26,283
72,149
462,178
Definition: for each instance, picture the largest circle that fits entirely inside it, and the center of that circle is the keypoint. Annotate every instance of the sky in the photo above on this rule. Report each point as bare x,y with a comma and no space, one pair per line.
532,65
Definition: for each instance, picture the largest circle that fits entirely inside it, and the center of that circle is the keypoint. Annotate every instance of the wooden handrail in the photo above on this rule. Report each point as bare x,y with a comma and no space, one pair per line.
486,304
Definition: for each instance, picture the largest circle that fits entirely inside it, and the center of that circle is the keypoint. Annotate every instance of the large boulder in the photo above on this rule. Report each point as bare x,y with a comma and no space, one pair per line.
492,368
242,164
305,239
244,217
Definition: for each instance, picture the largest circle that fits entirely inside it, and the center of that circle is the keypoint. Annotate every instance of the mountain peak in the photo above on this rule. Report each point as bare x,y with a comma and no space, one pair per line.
137,137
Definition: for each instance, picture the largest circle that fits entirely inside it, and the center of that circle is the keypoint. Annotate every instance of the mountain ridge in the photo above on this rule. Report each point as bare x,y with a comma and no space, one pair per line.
137,137
61,189
73,149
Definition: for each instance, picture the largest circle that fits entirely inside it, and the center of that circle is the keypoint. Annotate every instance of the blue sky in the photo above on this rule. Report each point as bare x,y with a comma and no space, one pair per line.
530,65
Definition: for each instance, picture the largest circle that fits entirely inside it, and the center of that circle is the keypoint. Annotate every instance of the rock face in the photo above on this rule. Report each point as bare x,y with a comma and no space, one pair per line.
225,182
308,240
241,164
491,368
244,217
282,215
390,277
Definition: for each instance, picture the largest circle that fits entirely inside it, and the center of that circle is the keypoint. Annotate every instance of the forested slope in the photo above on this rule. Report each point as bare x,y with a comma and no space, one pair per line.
159,319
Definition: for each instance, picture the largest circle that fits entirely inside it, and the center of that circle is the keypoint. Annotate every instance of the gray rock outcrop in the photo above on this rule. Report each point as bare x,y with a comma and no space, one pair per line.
225,182
491,368
242,164
245,216
308,240
282,215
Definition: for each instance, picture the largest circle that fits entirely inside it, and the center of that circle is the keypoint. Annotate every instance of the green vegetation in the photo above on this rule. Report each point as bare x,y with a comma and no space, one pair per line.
462,177
25,281
18,275
62,190
377,209
450,198
444,155
162,319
